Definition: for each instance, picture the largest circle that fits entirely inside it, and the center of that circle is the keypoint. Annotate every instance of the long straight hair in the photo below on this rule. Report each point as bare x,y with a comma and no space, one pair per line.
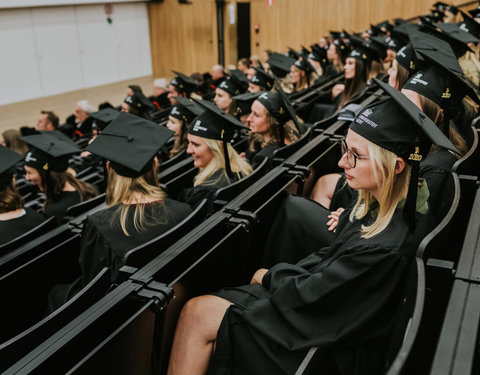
392,187
120,190
356,84
237,164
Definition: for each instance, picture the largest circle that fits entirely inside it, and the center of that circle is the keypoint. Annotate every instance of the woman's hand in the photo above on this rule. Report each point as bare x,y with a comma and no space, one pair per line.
258,276
243,155
334,217
337,90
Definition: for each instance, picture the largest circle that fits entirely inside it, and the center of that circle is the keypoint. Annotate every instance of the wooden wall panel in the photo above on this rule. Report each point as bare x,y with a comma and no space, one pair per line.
293,22
183,36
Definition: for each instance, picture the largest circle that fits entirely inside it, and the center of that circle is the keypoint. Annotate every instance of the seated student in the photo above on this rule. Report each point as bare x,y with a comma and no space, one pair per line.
243,106
14,219
341,299
302,74
270,126
236,84
279,65
138,105
46,166
182,86
218,163
357,70
159,96
179,120
139,210
260,81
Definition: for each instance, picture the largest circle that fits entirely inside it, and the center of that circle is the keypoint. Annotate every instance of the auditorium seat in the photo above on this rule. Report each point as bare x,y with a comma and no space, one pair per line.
33,233
82,207
20,345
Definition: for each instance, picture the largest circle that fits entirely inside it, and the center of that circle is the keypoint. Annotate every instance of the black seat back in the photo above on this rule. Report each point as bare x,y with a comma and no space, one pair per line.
20,345
143,254
182,155
284,152
80,208
33,233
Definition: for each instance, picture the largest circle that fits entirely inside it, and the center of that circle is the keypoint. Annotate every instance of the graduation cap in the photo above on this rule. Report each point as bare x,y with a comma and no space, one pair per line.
280,64
48,152
278,105
215,123
262,79
440,5
243,103
103,117
385,25
452,9
303,64
441,85
399,126
436,48
8,159
185,109
183,83
130,143
394,43
380,45
139,102
235,84
469,25
363,51
475,13
305,51
374,30
452,34
293,54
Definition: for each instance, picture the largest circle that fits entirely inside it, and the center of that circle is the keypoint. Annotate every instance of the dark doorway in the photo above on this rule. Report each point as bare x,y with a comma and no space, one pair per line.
243,30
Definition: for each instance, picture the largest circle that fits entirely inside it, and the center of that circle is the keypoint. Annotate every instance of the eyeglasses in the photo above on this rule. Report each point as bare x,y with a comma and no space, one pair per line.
351,156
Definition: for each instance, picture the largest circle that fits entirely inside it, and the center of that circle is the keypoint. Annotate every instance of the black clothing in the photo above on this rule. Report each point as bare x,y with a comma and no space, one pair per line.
342,299
255,158
61,203
161,101
104,244
13,228
193,196
343,195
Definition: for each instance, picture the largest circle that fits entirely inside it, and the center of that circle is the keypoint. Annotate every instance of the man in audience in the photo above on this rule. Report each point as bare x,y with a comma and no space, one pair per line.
47,120
159,96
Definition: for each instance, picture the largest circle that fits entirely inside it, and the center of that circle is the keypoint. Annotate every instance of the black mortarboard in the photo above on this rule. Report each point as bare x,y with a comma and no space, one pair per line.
278,106
374,30
130,143
469,25
183,83
215,123
457,33
451,8
440,84
319,54
243,103
394,43
342,47
452,34
362,51
399,126
435,47
380,45
336,34
475,12
103,117
8,159
280,64
185,109
386,25
305,50
262,79
303,64
293,54
48,152
235,84
139,102
407,59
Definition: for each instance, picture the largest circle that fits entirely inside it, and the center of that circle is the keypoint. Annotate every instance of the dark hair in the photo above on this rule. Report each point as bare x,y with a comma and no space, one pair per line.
245,61
54,182
52,118
10,199
356,84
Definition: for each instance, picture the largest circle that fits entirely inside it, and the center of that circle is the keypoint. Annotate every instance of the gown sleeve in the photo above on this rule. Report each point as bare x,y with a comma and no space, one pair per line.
95,252
346,298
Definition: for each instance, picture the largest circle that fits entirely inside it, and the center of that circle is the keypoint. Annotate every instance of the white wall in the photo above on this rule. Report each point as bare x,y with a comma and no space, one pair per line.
51,50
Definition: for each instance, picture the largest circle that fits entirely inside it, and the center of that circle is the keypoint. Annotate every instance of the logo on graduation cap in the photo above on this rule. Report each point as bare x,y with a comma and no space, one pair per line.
197,127
263,96
464,27
402,52
363,117
355,53
417,79
281,111
298,63
224,85
412,65
174,81
45,167
446,94
175,111
29,157
255,79
416,155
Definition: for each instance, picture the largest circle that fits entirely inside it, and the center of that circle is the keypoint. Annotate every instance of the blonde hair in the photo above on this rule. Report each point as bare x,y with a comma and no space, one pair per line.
393,188
120,189
237,164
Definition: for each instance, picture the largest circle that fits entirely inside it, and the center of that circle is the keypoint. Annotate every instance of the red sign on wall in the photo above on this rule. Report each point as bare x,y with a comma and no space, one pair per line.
270,2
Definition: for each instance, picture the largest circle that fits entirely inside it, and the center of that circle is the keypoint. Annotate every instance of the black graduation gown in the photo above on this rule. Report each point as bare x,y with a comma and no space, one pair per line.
13,228
194,195
104,244
161,101
342,300
61,203
255,158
